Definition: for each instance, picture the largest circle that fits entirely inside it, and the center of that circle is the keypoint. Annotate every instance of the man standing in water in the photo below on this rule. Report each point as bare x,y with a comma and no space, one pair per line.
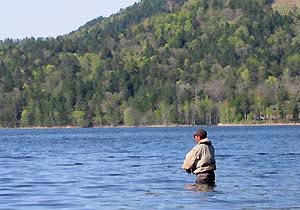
201,159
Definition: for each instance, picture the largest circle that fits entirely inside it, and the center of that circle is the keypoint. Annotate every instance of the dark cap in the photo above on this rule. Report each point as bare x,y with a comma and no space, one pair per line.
202,133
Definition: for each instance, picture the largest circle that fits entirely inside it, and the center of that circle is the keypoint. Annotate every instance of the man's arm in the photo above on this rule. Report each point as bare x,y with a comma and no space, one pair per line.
190,159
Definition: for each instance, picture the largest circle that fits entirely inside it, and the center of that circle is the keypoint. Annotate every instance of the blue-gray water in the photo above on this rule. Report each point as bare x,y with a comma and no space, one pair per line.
140,168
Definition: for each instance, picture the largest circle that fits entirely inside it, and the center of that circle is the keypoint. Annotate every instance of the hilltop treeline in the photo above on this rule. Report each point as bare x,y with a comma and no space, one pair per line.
158,62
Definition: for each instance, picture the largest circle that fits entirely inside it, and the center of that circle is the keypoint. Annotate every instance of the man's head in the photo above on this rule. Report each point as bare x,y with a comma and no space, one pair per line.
200,134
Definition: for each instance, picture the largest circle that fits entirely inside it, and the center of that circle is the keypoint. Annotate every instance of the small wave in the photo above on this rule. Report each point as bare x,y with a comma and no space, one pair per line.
135,156
70,164
225,156
149,193
91,187
35,183
291,154
262,153
6,179
272,172
116,174
17,157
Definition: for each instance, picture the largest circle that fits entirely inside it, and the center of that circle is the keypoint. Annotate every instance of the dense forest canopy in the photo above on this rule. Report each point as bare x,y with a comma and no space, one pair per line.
158,62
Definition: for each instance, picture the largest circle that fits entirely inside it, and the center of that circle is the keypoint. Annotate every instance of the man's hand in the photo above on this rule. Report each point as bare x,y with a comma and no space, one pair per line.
189,171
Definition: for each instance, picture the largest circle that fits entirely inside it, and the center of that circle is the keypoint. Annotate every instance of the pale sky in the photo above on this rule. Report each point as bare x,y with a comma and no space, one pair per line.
43,18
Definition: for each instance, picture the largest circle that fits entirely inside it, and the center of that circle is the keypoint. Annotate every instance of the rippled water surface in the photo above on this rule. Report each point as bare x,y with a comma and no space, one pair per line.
140,168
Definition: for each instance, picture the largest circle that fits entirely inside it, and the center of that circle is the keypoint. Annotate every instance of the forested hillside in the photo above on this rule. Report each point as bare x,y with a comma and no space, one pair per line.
158,62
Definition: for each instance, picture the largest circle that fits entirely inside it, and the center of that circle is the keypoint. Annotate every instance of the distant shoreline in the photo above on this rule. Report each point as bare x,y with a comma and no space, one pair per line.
253,124
160,126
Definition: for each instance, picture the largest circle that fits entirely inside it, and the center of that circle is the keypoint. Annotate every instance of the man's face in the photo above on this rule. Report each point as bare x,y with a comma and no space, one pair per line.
197,138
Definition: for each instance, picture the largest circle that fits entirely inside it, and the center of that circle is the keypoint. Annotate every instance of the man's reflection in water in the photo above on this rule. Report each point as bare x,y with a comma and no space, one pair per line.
201,187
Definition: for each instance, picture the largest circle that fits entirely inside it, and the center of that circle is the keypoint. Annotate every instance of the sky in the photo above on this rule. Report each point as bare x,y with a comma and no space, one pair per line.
49,18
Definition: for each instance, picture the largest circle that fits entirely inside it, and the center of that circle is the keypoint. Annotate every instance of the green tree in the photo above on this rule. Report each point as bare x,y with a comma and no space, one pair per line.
131,117
78,117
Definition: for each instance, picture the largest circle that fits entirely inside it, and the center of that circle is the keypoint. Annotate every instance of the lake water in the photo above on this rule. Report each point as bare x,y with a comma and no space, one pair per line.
140,168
